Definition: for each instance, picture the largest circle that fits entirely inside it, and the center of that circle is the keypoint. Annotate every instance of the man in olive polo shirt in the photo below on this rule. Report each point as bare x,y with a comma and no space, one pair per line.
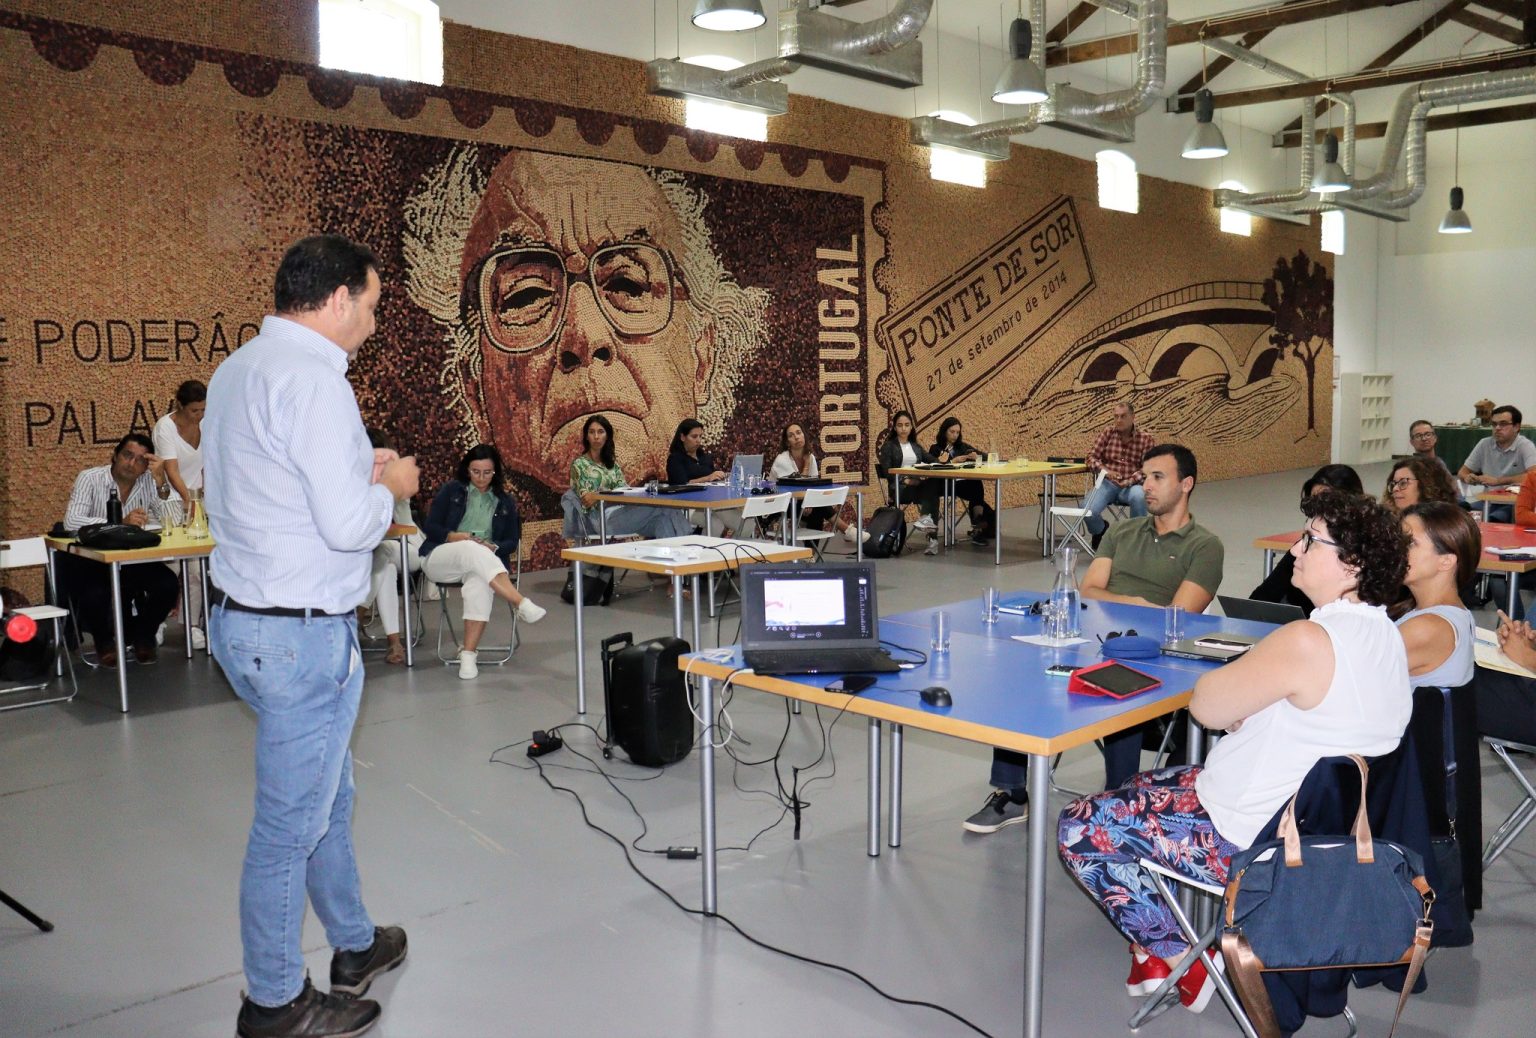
1165,557
1162,557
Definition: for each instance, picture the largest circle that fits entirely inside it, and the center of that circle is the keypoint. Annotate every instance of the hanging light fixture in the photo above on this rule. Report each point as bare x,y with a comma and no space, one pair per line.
728,15
1330,175
1205,140
1456,220
1022,82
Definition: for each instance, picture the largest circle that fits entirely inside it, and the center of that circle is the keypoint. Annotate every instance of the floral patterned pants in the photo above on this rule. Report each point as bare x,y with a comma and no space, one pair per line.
1156,815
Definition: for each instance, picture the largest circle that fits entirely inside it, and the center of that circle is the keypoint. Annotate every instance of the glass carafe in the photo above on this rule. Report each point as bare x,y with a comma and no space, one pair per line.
1064,593
197,516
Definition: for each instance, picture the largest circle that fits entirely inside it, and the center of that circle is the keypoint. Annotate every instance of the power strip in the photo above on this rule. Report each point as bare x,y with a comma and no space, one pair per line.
668,553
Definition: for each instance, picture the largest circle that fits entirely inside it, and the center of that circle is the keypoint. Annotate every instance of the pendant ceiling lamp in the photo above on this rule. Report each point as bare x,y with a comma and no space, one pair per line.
728,15
1022,81
1205,140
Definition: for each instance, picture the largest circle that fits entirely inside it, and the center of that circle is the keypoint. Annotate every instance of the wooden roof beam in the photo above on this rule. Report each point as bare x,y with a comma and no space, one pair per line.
1220,63
1068,25
1491,27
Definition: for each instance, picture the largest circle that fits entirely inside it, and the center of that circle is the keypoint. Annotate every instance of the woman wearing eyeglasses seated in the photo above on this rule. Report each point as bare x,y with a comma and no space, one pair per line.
901,450
596,471
950,447
1277,587
1416,480
797,457
1444,547
1336,683
471,532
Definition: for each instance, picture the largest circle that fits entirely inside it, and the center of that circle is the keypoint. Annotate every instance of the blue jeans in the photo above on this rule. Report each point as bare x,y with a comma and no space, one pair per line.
1111,493
304,680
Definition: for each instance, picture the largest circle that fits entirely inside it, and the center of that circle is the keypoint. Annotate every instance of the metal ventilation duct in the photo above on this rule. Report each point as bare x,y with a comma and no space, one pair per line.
885,50
748,87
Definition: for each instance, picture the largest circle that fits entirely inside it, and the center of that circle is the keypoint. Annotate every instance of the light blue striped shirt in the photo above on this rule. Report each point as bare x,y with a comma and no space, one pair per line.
286,470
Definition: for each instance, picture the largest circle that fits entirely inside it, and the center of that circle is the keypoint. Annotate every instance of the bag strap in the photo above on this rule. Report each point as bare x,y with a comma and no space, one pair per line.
1448,748
1365,851
1421,939
1243,971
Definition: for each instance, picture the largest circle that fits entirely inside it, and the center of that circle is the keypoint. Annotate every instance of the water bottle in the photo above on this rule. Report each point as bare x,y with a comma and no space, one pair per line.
736,477
114,507
1064,593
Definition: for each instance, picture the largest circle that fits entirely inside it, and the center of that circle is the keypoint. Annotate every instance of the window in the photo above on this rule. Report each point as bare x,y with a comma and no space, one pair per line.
402,39
1333,232
1235,221
718,117
1117,181
956,167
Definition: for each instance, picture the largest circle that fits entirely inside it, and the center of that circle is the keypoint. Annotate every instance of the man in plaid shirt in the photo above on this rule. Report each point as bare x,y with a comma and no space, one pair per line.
1117,452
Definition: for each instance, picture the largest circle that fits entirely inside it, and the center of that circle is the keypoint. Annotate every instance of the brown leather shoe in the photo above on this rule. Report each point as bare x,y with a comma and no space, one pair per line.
146,653
311,1015
107,657
352,972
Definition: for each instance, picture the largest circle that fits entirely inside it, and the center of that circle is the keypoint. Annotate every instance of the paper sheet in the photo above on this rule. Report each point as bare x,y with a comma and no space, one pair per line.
1491,656
1050,643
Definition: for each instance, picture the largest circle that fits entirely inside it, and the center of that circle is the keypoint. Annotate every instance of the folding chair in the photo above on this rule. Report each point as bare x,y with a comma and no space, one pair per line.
1521,816
445,621
766,506
1074,521
820,497
31,551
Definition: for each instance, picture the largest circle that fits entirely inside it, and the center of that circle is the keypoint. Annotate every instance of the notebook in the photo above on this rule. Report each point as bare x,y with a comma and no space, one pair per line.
1264,612
811,618
1218,647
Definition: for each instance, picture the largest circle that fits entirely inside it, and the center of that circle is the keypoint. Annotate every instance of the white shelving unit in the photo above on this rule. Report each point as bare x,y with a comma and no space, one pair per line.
1365,417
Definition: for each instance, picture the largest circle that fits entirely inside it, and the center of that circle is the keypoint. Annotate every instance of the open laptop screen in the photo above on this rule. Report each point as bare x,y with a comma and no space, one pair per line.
829,605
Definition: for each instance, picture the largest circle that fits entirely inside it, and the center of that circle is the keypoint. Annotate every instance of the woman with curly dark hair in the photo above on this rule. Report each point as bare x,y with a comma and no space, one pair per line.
1335,683
1417,480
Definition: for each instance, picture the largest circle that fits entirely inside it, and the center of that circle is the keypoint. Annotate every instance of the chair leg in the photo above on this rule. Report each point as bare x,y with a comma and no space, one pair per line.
1519,818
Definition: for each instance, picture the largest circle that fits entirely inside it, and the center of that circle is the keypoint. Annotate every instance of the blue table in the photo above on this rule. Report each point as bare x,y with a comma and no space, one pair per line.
1002,698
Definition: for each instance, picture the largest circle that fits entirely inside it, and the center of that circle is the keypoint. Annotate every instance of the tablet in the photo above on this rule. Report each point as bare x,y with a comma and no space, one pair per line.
1112,679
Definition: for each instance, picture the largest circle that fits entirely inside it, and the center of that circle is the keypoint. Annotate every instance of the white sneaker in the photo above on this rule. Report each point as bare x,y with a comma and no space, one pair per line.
924,524
199,640
469,666
529,613
160,635
933,545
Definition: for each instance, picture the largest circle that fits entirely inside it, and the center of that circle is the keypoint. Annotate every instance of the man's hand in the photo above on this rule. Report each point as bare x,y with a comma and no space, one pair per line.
401,477
137,517
156,465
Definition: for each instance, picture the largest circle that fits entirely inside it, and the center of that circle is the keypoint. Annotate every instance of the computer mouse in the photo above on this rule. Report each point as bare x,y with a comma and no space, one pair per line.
937,695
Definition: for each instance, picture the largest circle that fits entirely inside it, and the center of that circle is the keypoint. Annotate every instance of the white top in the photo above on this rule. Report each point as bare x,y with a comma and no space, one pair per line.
908,455
1255,770
1459,665
784,465
293,516
189,459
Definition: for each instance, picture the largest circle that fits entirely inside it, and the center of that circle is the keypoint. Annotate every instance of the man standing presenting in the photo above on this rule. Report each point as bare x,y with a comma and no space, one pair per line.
1501,460
1117,453
1160,558
295,521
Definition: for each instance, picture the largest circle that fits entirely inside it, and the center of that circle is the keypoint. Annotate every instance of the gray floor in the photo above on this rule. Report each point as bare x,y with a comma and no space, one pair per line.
127,832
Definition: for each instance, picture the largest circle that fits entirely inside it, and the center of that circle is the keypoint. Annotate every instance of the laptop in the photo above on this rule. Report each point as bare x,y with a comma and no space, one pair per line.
811,618
1219,647
680,488
1263,612
751,465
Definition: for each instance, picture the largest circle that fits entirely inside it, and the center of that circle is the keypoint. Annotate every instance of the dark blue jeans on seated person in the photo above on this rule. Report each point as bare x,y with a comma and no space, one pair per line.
304,679
1122,759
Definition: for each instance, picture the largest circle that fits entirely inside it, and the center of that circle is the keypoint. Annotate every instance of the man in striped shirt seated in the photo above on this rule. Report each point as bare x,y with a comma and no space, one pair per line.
149,592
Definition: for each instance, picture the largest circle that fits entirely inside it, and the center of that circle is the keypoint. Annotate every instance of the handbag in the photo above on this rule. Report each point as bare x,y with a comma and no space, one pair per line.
116,537
1323,902
596,586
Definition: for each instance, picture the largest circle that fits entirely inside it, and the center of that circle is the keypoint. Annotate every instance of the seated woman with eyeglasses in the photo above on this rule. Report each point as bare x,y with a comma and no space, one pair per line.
1417,480
1336,683
596,471
471,532
1444,546
1277,587
951,447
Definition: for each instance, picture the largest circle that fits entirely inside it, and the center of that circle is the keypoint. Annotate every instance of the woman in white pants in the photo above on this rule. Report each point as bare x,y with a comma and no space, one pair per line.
178,437
384,592
471,532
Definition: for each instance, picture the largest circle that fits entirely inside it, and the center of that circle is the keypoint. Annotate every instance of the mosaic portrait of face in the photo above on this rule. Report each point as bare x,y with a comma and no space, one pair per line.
590,287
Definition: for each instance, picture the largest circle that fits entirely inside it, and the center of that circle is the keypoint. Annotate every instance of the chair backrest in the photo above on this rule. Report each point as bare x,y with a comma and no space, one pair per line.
770,504
824,497
27,551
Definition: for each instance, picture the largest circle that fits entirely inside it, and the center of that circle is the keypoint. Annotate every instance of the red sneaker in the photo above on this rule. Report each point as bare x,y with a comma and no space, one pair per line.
1147,974
1196,986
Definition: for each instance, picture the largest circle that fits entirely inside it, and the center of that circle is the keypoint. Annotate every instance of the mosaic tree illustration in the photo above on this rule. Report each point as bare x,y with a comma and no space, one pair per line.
1301,295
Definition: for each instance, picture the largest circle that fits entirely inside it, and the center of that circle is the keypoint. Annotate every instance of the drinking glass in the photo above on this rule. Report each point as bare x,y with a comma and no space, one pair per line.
989,602
940,626
1173,624
651,486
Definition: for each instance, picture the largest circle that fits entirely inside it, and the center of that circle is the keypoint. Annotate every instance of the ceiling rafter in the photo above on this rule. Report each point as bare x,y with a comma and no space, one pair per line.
1220,63
1495,61
1490,26
1068,25
1222,25
1289,138
1512,8
1411,39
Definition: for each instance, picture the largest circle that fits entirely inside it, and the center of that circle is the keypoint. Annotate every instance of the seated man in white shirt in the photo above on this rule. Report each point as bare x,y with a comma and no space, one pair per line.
1501,460
149,592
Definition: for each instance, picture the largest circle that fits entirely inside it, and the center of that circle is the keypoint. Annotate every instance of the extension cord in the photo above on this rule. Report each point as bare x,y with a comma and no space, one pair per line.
544,742
668,553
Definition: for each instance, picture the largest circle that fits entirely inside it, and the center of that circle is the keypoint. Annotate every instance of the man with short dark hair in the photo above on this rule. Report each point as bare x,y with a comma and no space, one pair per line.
1503,459
148,592
1117,453
1161,558
295,520
1422,437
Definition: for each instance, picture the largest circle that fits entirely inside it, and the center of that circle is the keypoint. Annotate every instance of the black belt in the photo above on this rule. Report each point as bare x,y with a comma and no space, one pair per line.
220,598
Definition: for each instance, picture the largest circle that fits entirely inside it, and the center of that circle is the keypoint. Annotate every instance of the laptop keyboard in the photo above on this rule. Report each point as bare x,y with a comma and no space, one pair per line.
836,661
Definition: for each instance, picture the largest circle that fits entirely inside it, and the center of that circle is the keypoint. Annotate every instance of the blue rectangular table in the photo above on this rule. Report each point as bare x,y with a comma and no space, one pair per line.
1002,698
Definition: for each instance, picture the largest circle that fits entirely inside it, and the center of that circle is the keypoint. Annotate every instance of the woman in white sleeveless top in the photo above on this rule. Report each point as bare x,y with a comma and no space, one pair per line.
1336,683
1442,558
178,439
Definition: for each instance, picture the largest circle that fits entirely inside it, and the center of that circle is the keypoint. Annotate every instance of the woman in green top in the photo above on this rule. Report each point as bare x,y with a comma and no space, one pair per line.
595,471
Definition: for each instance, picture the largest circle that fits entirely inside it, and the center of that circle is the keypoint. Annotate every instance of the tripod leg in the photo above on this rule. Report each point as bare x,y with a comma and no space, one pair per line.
22,910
